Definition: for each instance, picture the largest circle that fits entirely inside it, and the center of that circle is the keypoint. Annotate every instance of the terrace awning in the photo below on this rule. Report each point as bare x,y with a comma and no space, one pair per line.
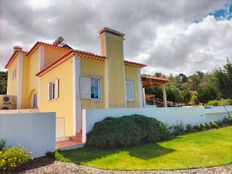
148,81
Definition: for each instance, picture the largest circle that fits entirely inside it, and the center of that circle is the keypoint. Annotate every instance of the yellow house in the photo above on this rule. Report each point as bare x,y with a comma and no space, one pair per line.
56,78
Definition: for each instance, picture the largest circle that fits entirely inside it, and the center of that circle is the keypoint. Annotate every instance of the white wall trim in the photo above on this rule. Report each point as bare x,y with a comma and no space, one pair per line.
77,123
38,93
124,75
140,88
41,58
41,66
19,89
107,99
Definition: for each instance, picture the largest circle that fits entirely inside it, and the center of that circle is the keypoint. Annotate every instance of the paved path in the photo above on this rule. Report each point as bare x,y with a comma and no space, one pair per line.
49,166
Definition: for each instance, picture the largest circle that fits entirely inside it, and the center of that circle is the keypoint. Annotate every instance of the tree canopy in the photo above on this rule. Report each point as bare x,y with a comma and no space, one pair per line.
3,82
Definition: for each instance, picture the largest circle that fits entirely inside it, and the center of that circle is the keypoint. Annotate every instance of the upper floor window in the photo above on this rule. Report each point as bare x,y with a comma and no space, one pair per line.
130,94
90,88
95,88
53,89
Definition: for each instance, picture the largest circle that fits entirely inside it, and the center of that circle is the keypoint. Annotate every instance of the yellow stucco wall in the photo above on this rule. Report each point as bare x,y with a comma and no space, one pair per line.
63,106
33,81
93,68
115,71
132,74
25,98
50,54
12,83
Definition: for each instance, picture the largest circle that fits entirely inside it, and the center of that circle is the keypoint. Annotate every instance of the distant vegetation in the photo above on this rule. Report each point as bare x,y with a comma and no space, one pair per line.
3,82
197,88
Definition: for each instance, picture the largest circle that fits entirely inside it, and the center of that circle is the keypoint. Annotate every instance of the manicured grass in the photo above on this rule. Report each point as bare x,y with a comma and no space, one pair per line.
202,149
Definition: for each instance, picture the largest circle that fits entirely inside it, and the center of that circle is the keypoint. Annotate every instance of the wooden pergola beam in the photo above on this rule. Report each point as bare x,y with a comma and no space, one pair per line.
148,81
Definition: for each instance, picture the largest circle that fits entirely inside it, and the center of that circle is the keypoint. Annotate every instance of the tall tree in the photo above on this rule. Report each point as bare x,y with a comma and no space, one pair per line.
224,80
207,92
3,82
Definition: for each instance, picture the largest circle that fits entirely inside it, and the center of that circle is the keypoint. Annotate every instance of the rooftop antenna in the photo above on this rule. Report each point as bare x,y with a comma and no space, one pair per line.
59,41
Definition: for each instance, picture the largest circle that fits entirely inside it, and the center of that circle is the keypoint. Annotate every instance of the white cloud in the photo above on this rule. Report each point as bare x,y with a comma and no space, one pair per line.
188,48
161,33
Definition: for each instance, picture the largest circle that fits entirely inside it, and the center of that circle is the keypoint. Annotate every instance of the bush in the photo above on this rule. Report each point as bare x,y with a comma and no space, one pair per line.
202,126
197,127
189,128
126,131
225,102
178,128
2,144
207,126
213,103
213,124
12,158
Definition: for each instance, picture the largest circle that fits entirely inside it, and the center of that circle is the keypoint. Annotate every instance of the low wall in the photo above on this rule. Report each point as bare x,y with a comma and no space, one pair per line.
33,131
186,115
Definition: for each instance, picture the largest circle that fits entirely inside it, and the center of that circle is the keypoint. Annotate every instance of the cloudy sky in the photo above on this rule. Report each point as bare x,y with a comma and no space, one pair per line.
170,36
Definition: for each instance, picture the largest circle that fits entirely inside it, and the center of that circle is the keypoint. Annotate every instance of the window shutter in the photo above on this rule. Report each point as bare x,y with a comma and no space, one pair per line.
48,91
85,88
130,91
56,88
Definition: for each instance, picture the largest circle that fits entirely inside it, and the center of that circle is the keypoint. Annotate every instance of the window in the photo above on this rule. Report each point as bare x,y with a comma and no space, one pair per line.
90,88
53,88
95,88
34,101
130,97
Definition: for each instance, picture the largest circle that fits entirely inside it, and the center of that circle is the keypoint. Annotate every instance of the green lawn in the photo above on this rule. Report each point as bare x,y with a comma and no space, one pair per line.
202,149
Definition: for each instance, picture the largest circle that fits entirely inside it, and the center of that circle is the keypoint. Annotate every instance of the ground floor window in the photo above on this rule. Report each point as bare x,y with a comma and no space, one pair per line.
95,88
130,94
34,101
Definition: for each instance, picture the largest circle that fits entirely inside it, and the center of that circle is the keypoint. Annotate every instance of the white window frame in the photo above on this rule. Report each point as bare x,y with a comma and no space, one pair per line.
132,98
53,89
85,88
99,88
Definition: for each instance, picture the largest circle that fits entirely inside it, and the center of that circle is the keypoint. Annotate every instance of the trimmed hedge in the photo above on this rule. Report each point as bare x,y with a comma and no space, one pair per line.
179,129
126,131
224,102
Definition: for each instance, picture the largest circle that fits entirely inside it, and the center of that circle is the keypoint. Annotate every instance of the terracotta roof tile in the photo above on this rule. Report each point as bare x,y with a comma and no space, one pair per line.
127,62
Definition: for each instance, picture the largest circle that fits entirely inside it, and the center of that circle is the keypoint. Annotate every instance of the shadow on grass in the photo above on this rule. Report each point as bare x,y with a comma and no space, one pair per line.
80,156
149,151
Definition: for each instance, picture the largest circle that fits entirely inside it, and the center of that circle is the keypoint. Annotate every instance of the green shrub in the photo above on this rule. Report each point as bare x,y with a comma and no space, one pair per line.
12,158
225,102
126,131
207,125
202,126
213,124
197,127
189,128
178,128
2,144
213,103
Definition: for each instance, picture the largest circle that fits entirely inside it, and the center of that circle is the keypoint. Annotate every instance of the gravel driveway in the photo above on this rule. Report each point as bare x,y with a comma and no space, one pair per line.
47,165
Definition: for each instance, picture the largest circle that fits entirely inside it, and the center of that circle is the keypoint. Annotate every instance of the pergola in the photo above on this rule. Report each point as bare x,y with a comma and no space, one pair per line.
148,81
